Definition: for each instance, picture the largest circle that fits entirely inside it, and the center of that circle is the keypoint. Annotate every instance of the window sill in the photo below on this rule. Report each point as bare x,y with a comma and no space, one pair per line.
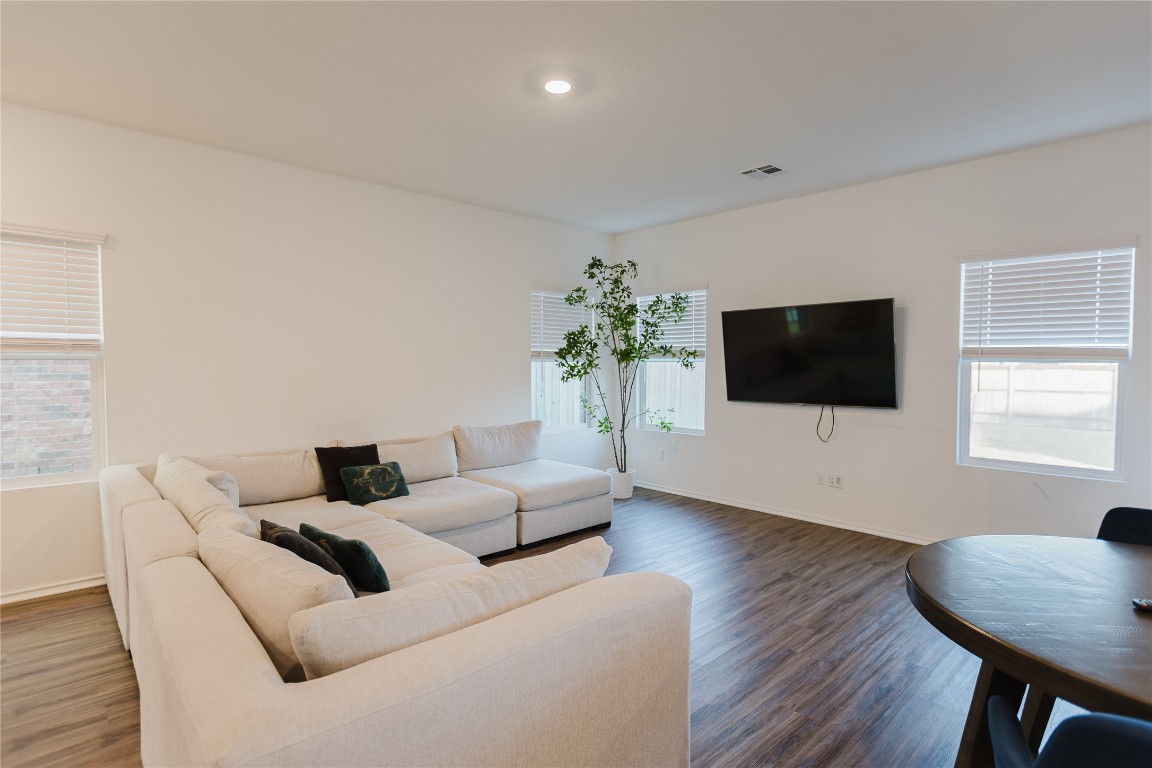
47,481
674,431
1051,470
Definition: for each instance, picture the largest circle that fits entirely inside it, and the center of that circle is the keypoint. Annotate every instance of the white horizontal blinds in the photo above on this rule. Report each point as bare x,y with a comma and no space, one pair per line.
49,294
1069,306
692,330
552,317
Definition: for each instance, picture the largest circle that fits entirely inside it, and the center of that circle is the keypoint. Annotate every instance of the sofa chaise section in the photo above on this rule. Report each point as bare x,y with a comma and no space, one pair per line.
552,497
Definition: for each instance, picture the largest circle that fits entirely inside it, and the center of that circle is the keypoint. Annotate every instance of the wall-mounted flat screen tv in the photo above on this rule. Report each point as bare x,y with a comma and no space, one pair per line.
842,353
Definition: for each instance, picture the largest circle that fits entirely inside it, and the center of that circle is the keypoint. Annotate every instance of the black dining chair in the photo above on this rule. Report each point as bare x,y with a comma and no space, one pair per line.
1083,740
1127,525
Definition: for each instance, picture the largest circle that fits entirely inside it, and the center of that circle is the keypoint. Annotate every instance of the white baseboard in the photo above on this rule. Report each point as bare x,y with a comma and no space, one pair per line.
883,533
59,587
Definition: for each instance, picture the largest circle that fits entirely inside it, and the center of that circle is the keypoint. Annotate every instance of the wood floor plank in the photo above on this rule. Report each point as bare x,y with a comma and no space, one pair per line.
805,650
68,694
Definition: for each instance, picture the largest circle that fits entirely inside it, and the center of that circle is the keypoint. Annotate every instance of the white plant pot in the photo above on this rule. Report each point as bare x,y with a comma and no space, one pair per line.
621,482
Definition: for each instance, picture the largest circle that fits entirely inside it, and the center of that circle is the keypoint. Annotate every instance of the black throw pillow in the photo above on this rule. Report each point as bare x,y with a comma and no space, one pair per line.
332,460
354,556
286,538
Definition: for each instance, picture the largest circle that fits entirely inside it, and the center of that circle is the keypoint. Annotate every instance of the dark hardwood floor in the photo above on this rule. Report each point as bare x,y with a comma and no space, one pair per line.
68,694
806,651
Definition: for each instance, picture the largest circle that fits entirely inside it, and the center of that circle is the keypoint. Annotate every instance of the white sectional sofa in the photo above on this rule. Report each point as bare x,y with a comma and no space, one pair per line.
247,654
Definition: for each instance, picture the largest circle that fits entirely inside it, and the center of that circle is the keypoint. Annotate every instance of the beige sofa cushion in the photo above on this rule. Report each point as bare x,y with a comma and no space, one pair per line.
483,447
543,483
314,510
337,636
269,585
440,572
195,491
423,460
403,551
270,477
447,504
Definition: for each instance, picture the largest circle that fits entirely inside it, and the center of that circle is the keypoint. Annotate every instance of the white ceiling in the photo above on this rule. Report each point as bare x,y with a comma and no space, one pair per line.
672,101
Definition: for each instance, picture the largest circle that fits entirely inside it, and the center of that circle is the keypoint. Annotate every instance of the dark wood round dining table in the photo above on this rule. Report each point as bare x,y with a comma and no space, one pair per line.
1049,612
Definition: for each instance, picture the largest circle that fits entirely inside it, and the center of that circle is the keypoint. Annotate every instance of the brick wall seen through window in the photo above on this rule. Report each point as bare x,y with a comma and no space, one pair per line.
46,407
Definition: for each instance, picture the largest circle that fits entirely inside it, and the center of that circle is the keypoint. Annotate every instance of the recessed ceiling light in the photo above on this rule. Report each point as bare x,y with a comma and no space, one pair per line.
557,86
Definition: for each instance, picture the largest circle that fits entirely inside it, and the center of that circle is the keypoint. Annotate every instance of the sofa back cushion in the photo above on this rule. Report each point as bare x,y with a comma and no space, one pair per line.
269,585
423,460
337,636
270,477
484,447
196,492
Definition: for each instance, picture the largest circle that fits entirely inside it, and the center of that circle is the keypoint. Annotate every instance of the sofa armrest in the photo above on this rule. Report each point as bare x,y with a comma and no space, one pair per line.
153,530
156,530
121,486
596,675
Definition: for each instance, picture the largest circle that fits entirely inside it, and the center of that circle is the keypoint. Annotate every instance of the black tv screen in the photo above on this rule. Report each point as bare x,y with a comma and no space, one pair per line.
842,353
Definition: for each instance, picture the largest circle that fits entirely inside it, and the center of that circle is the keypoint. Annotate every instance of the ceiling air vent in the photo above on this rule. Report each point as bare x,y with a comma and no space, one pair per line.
761,172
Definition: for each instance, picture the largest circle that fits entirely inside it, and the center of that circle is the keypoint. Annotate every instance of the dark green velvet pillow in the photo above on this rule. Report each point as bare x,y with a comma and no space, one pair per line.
332,460
374,482
354,556
286,538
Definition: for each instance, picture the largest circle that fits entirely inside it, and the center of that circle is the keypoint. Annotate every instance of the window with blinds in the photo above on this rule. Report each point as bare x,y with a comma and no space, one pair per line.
556,403
1044,346
667,389
51,337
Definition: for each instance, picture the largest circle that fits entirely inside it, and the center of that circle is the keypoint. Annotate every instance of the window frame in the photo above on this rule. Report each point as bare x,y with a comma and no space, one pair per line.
49,347
1047,354
537,341
1117,474
699,342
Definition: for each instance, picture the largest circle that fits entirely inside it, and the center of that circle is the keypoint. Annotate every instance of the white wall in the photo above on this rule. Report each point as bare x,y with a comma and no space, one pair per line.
255,306
49,540
900,237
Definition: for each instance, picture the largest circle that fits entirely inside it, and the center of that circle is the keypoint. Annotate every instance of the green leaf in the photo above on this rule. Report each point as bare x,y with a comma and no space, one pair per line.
619,337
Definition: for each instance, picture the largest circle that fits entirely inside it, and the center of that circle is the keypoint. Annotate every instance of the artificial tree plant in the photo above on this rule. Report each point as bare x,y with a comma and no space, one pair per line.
621,335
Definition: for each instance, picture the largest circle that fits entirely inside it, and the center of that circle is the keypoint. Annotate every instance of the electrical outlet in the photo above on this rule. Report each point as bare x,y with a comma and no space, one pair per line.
821,479
660,454
834,481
